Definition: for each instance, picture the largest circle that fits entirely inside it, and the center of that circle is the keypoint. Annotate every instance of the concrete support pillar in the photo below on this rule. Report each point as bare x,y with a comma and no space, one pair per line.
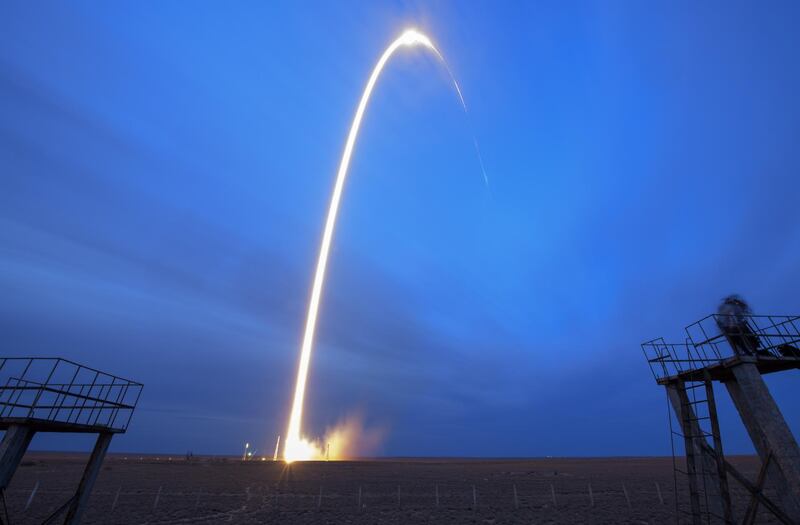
12,448
769,433
90,473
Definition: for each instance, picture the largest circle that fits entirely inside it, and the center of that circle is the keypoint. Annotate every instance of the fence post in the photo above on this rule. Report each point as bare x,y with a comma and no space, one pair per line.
33,493
158,496
116,498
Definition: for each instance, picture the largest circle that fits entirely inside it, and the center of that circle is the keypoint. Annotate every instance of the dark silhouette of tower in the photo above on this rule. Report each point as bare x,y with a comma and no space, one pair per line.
736,348
57,395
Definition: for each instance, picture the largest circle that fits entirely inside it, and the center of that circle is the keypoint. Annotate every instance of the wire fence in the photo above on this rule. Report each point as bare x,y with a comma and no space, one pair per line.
161,503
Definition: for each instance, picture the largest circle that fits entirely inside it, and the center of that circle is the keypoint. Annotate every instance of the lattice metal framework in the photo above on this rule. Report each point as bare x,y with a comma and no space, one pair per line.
54,393
713,340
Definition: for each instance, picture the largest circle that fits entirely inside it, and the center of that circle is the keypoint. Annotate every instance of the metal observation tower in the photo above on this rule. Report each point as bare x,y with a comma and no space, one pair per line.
57,395
736,350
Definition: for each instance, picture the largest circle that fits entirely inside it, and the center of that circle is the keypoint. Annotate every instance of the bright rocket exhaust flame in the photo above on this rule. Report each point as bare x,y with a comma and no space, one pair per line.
347,439
296,446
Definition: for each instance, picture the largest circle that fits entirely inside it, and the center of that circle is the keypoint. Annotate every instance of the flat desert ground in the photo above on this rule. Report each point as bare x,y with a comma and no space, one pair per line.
163,490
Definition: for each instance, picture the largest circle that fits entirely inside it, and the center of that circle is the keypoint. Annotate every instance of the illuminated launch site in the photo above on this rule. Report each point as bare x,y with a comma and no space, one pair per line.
296,445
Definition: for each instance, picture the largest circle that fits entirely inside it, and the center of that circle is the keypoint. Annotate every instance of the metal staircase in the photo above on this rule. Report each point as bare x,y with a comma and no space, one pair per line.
705,472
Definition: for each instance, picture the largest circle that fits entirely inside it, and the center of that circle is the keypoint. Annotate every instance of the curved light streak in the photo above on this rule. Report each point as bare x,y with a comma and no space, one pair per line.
296,447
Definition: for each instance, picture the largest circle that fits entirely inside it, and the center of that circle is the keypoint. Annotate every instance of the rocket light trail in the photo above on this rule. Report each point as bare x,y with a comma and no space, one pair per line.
296,447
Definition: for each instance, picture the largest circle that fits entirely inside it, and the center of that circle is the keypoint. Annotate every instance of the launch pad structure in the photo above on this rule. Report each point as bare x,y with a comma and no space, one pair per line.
56,395
735,353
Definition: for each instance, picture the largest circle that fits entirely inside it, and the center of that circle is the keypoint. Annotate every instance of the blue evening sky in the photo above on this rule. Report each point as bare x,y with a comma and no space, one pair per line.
165,169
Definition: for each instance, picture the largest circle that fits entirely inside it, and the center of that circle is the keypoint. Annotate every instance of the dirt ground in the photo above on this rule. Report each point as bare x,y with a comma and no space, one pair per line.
150,489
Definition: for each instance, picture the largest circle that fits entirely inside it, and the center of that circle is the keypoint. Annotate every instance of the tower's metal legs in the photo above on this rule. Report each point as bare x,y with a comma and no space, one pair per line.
12,448
90,473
